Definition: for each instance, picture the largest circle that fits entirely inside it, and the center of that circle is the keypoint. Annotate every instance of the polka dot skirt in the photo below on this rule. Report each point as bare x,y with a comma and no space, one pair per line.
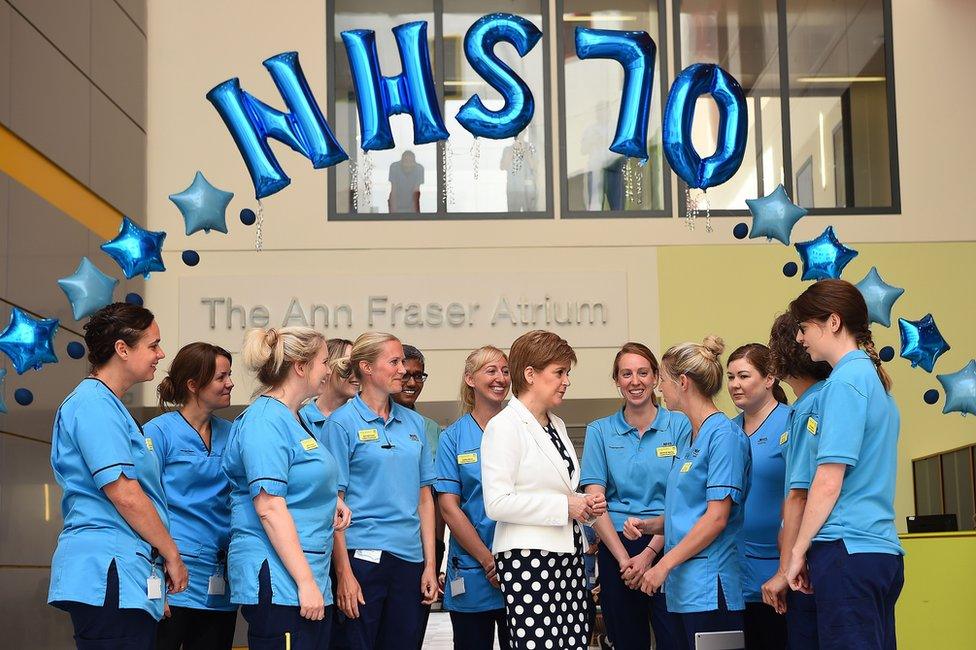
545,598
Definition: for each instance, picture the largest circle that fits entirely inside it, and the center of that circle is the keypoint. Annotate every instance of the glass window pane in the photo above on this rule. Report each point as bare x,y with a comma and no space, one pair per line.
839,102
742,37
403,179
596,178
511,176
957,485
928,490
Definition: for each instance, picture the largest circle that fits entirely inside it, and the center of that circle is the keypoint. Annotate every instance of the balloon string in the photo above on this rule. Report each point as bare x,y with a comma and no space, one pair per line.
259,239
475,157
367,173
354,184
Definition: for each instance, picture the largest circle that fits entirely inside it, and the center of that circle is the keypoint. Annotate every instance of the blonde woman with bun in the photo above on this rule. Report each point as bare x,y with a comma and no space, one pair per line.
284,505
471,593
703,513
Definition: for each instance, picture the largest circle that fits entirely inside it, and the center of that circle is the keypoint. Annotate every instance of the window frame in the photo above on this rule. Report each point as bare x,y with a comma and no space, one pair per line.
941,457
442,213
786,135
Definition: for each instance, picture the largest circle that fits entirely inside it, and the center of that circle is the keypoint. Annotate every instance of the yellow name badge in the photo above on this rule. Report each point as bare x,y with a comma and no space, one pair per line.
367,435
783,438
686,467
308,444
667,451
149,444
465,459
812,425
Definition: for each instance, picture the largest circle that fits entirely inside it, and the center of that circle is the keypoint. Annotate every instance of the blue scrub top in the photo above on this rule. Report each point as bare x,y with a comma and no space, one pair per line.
382,466
433,432
799,448
715,465
198,497
857,424
314,419
96,441
758,546
459,472
633,468
270,450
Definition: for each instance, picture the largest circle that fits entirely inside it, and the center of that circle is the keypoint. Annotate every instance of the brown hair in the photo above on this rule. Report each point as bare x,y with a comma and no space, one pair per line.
699,362
120,321
536,349
640,350
195,362
826,297
787,358
477,360
758,357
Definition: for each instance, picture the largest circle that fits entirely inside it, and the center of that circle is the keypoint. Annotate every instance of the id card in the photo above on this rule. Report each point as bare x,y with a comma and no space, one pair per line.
457,586
667,451
812,425
216,586
308,444
686,467
784,438
154,587
465,459
368,555
368,435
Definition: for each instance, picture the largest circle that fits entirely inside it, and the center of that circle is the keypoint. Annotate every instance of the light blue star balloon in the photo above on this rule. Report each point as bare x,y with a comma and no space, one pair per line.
3,402
774,215
880,297
136,251
29,342
960,389
824,257
88,289
203,206
921,341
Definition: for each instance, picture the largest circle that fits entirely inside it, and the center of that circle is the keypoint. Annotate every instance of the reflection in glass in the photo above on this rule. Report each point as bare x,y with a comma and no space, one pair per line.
957,486
928,489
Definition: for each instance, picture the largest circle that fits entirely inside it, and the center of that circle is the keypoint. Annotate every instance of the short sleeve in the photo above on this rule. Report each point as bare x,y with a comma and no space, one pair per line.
427,474
337,441
593,468
448,475
267,450
843,417
728,466
102,433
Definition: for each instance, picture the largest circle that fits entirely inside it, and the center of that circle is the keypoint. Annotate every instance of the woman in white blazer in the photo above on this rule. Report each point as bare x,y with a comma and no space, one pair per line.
529,474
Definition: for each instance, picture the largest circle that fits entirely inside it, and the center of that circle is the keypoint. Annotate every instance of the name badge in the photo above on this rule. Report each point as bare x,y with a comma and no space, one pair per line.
154,587
783,438
667,451
368,555
465,459
457,586
308,444
686,467
368,435
812,425
149,444
217,586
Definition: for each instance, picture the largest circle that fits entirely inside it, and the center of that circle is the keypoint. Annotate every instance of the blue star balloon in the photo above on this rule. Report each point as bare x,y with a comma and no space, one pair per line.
774,215
136,250
880,297
203,206
824,257
921,341
3,402
29,342
88,289
960,389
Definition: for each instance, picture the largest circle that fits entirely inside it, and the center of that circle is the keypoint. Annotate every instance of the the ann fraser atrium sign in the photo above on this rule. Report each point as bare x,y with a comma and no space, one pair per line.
433,311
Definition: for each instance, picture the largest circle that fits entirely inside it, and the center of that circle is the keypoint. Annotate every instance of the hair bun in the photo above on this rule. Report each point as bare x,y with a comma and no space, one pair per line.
713,345
271,337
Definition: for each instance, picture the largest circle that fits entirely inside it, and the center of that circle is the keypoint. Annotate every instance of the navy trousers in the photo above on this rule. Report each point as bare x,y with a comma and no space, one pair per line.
716,620
626,611
392,615
855,596
764,628
476,630
109,627
801,621
276,627
196,629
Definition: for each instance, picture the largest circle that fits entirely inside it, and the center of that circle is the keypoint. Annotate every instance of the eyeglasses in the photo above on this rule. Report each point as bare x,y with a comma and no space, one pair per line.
419,377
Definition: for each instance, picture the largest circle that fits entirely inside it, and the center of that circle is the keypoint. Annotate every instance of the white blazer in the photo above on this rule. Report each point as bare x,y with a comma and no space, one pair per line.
525,483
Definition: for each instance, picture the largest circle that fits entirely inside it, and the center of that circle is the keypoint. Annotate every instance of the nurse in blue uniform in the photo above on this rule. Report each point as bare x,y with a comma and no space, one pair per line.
384,562
847,549
627,456
190,444
790,362
335,392
284,505
756,391
703,501
471,592
115,558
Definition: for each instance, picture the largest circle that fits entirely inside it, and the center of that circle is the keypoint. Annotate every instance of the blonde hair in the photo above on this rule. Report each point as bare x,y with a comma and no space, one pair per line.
477,360
699,362
536,349
367,347
271,353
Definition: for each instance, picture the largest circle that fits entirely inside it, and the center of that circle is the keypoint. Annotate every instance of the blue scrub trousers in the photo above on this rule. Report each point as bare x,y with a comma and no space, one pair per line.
626,611
801,621
855,595
392,615
268,624
476,630
716,620
109,627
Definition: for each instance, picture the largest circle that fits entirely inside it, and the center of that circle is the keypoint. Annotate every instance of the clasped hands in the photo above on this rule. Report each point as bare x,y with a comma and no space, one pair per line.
585,508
